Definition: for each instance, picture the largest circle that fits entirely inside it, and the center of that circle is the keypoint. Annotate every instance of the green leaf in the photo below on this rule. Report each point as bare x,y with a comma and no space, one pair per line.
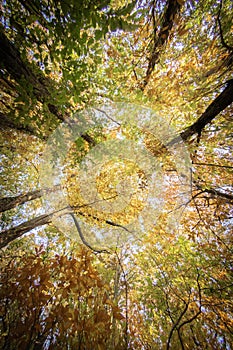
126,9
98,34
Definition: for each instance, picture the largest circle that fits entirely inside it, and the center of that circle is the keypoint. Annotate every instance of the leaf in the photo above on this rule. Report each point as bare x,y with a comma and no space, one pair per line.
98,34
118,316
126,10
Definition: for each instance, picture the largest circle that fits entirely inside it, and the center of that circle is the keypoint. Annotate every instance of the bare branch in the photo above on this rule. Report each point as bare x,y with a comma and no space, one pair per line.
200,304
177,325
126,300
174,327
214,165
214,192
83,238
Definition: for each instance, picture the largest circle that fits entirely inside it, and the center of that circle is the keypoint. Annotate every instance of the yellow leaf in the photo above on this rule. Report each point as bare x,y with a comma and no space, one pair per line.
183,31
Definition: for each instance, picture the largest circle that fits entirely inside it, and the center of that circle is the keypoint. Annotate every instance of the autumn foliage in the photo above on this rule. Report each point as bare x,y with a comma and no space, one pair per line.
165,286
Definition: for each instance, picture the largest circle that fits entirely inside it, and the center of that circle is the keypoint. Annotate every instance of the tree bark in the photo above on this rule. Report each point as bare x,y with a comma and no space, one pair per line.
8,203
221,102
7,122
11,234
21,71
160,39
215,192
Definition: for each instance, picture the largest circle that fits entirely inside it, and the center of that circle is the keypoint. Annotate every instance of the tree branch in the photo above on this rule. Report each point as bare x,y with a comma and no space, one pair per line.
224,44
15,232
214,165
178,326
200,304
214,192
7,122
175,326
83,238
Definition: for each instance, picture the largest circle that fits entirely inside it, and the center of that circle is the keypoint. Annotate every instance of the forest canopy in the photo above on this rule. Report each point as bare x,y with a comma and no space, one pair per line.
116,174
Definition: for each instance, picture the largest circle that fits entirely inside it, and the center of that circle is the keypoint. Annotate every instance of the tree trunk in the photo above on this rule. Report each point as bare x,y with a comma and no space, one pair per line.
218,105
19,70
8,203
11,234
7,122
160,39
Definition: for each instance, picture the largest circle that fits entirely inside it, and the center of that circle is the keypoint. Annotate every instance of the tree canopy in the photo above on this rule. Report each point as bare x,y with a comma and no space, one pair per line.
116,174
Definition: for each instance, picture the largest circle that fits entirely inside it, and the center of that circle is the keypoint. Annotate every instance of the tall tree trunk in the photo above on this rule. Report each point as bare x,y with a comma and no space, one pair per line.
7,203
7,122
160,39
11,234
221,102
19,70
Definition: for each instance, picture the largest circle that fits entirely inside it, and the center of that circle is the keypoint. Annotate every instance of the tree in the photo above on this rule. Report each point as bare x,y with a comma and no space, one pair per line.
220,103
169,287
54,308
